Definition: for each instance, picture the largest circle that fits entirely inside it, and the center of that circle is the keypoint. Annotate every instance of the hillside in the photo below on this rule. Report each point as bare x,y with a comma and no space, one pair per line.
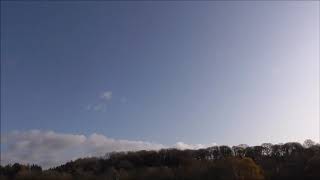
287,161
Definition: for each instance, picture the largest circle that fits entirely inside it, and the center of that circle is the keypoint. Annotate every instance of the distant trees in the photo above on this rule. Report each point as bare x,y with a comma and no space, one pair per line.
27,172
308,143
271,162
238,169
240,150
312,169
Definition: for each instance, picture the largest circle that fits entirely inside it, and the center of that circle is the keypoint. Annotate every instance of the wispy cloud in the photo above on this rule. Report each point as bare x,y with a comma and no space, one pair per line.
182,145
107,95
101,104
100,107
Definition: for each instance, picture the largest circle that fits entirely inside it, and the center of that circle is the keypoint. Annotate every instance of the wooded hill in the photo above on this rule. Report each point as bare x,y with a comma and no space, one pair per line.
275,162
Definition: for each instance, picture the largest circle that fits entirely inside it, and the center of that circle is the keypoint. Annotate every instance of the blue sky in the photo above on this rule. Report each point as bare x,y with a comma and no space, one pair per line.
164,72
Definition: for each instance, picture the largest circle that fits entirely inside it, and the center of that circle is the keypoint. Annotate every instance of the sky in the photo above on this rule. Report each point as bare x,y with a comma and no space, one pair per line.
108,76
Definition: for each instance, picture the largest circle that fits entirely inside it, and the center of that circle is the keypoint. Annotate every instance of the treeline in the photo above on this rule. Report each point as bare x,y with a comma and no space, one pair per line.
275,162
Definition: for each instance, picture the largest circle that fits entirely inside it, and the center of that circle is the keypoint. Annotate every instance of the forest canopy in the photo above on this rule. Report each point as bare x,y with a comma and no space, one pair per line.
281,161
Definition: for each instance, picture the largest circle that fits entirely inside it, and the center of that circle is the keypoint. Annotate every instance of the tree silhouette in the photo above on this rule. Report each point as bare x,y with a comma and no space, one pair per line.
272,162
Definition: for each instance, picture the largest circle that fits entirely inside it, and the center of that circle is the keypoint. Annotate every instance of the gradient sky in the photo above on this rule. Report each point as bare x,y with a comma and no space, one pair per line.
196,72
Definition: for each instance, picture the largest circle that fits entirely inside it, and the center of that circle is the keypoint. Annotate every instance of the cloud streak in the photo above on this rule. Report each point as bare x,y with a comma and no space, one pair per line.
49,149
107,95
101,105
182,145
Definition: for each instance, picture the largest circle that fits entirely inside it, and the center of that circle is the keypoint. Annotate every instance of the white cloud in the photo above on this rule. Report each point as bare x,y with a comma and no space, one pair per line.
107,95
101,105
182,145
49,149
